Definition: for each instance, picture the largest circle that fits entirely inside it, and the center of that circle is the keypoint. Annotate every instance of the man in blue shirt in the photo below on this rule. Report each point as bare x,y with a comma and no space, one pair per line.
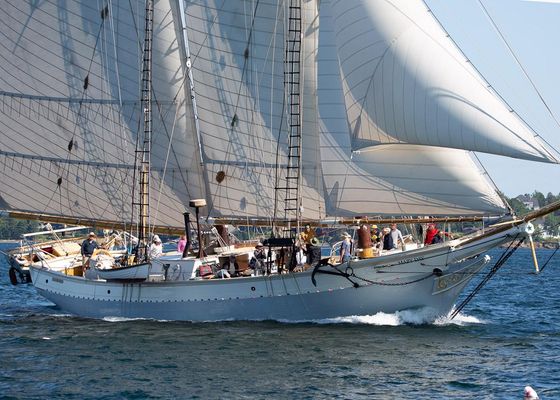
88,247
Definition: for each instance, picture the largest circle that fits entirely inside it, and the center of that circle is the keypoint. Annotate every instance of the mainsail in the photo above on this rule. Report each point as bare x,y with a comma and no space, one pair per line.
238,58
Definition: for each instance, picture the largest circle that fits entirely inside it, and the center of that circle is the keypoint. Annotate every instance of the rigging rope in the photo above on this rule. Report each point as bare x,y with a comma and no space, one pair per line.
501,261
495,26
549,258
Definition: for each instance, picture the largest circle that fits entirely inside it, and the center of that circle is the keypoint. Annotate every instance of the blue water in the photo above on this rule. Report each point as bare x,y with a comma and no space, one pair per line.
506,338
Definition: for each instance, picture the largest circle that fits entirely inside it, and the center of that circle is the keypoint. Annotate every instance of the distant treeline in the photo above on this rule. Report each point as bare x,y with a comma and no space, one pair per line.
550,222
11,228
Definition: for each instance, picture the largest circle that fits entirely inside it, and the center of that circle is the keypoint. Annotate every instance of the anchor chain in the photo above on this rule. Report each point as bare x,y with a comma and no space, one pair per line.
348,273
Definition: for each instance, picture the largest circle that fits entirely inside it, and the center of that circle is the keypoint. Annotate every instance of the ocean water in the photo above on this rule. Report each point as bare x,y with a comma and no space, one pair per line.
506,338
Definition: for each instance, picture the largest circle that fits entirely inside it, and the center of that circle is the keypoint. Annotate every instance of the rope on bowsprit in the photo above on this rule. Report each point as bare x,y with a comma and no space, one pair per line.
501,261
349,274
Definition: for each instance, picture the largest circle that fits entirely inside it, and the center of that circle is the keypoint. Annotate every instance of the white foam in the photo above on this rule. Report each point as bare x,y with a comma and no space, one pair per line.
124,319
460,320
424,316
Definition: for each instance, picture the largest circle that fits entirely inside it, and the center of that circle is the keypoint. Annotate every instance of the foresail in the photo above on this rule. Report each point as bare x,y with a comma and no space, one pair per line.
389,179
71,112
405,81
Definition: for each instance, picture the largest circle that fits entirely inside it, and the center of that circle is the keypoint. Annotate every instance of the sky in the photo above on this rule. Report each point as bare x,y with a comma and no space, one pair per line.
531,29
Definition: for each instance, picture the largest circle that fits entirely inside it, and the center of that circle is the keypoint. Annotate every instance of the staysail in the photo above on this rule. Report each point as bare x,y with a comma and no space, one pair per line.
405,82
389,179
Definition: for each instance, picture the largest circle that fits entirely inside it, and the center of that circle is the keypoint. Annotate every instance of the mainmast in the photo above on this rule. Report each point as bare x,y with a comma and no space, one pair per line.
144,153
292,199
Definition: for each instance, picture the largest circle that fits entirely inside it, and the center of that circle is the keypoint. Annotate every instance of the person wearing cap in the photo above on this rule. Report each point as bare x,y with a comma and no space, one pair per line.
345,248
376,236
156,248
307,234
88,247
257,262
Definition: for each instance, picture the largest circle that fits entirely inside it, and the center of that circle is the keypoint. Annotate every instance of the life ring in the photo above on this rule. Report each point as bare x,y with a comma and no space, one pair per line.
529,228
13,276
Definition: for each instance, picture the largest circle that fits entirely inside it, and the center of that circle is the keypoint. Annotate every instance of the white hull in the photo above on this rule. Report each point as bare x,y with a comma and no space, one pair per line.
386,284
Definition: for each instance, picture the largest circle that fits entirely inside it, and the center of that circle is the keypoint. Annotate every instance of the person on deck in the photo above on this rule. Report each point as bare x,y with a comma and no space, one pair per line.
376,235
434,235
314,252
396,235
88,247
258,260
181,244
156,248
387,239
306,235
345,248
223,273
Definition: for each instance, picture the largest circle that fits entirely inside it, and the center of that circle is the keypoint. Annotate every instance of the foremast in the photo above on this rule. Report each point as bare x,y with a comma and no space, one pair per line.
293,83
143,154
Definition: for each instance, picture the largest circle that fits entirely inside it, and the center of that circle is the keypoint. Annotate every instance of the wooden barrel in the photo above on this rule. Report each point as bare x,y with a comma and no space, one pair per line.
366,253
364,237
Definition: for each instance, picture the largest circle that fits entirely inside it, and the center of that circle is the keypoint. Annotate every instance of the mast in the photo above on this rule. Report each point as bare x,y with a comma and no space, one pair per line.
292,79
144,153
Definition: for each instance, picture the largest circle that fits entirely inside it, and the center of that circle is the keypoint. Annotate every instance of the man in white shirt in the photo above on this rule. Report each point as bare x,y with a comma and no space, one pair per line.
396,235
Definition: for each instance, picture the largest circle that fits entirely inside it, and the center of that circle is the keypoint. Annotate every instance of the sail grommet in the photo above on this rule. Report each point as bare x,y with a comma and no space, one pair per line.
220,176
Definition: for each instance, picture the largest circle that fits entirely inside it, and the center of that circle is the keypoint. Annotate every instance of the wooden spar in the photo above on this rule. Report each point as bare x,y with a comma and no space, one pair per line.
94,223
504,226
346,221
179,230
534,253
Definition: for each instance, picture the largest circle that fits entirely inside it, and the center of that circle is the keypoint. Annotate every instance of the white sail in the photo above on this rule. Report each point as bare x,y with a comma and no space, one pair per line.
372,94
238,66
406,82
394,179
71,110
